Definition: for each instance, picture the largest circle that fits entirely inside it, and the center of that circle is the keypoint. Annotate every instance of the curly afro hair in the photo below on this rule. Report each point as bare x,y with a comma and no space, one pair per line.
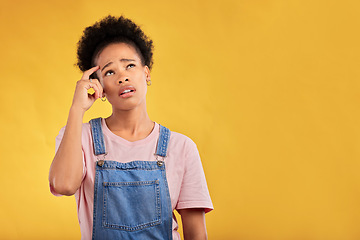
113,30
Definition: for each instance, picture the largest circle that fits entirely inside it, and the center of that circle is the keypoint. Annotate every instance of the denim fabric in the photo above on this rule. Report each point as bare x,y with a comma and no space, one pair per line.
98,137
132,200
163,141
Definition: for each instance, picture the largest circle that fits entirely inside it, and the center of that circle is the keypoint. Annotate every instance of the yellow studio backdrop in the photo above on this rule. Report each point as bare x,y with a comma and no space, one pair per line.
269,91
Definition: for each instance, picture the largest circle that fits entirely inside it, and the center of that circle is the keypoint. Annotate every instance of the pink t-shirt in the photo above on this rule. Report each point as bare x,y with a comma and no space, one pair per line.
184,172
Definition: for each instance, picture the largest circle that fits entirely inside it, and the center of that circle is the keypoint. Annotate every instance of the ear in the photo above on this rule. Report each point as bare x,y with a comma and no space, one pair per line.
147,73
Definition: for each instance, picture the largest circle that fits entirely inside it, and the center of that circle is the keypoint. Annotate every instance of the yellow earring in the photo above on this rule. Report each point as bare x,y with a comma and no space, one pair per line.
148,82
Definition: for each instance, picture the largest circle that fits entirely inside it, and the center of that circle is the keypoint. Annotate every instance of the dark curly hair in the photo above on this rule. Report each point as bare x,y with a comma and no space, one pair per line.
113,30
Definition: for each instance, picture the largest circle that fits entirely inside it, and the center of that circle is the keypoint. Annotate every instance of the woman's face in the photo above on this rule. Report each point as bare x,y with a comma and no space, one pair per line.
123,76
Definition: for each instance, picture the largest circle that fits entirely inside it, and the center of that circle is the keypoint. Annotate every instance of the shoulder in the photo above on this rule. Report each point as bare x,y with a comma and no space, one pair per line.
183,143
85,127
179,137
85,131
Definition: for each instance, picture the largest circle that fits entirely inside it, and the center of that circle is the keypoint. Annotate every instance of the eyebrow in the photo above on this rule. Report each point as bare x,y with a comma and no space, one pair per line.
121,60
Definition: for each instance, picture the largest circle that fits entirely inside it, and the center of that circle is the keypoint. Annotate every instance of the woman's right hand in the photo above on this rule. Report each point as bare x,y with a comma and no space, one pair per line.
82,99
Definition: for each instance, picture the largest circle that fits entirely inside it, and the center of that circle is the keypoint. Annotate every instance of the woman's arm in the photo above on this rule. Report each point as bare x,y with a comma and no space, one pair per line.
193,221
67,167
66,170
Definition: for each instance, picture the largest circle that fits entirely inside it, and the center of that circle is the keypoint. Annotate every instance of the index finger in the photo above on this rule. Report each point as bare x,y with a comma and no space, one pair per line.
87,73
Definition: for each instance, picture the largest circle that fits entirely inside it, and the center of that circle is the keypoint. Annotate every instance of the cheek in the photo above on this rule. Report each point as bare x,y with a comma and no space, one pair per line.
107,87
107,81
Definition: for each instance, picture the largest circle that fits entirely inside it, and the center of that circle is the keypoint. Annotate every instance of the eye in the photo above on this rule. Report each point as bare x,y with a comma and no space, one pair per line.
131,65
109,73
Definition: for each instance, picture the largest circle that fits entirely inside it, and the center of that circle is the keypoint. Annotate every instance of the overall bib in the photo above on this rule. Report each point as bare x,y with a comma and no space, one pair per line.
131,200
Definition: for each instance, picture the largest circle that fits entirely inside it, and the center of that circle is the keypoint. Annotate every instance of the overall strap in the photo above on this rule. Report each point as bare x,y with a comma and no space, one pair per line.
97,136
163,141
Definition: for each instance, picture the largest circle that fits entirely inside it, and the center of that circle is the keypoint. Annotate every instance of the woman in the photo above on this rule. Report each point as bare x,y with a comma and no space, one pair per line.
127,172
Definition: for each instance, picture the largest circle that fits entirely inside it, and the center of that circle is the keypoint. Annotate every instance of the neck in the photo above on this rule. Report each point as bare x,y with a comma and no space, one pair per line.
132,124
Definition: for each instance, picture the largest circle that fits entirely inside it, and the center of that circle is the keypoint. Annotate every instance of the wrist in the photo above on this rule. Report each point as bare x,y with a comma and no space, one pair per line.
78,111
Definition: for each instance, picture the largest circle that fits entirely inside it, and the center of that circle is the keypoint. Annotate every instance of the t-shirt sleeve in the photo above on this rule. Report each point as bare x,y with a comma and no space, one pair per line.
194,192
57,144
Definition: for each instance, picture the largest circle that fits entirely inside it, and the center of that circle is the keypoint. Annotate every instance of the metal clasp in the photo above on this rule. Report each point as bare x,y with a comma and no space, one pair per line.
160,160
101,160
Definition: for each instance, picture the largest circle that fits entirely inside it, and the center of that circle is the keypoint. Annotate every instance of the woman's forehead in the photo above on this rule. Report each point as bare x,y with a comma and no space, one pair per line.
117,51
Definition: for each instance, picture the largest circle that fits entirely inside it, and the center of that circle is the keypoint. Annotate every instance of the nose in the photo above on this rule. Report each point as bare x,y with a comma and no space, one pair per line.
125,80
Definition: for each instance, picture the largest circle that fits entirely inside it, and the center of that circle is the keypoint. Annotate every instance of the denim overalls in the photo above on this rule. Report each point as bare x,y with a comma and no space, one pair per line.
131,200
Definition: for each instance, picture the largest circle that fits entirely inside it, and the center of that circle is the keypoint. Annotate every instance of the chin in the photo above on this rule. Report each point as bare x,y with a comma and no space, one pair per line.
126,106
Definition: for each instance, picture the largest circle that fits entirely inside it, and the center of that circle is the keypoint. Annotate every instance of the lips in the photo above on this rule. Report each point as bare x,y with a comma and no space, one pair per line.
127,91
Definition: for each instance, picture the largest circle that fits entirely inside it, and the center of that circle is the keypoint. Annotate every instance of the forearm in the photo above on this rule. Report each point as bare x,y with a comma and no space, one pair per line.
198,236
67,167
194,226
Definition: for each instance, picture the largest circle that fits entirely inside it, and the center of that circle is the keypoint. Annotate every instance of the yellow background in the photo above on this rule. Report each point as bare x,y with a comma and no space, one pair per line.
269,91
